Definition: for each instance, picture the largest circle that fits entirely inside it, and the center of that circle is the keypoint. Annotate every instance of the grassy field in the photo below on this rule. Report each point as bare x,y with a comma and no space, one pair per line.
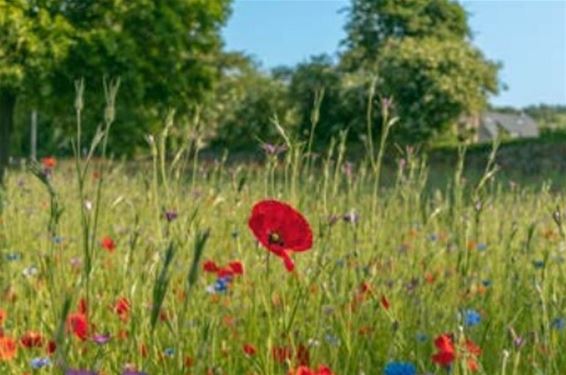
103,268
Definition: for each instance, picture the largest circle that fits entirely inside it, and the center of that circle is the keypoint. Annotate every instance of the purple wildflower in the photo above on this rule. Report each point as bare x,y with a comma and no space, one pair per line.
351,217
101,339
170,215
80,372
348,169
386,103
273,150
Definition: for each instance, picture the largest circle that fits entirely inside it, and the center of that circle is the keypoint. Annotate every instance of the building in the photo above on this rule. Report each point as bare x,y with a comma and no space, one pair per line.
508,125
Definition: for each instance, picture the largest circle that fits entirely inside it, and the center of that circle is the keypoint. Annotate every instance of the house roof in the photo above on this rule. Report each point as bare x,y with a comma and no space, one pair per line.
520,125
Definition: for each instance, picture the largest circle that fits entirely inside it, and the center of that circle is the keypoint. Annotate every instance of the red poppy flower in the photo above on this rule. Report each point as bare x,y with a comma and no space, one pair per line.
122,308
365,287
237,267
446,350
472,348
78,324
443,359
210,266
324,370
8,348
304,370
49,162
31,339
385,303
234,268
51,347
473,365
281,354
303,355
108,244
224,272
249,349
281,229
82,306
473,352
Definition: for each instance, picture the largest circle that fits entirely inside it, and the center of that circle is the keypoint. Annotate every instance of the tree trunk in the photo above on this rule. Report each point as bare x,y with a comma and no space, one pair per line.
7,106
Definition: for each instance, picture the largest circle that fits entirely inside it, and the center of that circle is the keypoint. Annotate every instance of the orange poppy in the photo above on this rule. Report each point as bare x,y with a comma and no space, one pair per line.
8,348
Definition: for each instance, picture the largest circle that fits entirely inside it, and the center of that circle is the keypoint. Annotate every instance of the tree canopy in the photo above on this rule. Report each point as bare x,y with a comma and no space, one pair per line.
170,55
371,23
422,53
34,38
164,53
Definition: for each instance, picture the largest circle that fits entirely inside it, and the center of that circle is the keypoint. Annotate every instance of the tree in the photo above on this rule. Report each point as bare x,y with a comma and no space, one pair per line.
312,81
34,38
548,116
163,51
433,83
371,23
421,52
244,104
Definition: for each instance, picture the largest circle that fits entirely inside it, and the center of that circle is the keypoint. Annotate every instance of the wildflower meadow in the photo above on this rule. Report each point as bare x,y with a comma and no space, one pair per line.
288,265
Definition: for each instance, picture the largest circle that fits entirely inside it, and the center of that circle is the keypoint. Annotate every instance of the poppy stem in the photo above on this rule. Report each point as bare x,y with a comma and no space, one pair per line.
267,263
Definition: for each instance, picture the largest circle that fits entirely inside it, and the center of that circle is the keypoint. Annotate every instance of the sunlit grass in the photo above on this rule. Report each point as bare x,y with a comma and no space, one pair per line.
431,261
395,264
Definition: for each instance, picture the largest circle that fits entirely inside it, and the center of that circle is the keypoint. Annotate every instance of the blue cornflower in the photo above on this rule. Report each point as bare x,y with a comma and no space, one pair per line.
421,337
558,324
12,257
222,284
400,368
37,363
332,339
169,352
538,263
487,283
471,318
481,246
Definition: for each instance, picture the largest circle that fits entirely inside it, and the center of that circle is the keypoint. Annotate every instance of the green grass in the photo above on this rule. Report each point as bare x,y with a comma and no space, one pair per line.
432,252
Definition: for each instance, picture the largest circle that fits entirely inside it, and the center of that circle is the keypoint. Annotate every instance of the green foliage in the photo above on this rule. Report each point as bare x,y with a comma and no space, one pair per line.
318,77
548,116
433,83
244,104
34,38
164,52
422,54
169,56
372,23
366,293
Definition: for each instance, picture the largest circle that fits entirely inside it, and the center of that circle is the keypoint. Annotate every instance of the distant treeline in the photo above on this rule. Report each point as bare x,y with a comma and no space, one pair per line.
548,117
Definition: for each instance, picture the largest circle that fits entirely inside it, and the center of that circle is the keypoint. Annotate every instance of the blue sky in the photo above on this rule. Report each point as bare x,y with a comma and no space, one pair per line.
527,36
